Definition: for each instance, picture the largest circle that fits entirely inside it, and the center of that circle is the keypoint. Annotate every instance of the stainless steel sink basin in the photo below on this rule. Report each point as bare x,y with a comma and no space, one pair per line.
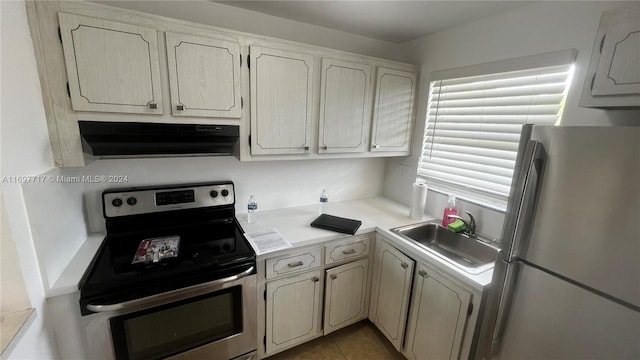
469,254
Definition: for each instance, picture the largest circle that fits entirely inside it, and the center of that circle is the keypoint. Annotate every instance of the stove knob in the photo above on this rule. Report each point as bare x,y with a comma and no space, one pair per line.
132,201
225,192
213,193
226,247
116,202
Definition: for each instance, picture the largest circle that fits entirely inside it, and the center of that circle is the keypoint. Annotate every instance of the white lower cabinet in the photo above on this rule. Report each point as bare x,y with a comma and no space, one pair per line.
294,308
345,296
391,287
439,313
426,315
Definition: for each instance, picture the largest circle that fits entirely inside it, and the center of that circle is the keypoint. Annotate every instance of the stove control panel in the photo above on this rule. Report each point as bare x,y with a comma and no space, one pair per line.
135,201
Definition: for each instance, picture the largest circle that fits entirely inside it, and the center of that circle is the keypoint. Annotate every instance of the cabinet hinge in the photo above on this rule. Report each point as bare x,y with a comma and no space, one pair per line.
68,89
602,42
264,342
241,102
240,60
265,295
60,34
470,309
248,62
250,149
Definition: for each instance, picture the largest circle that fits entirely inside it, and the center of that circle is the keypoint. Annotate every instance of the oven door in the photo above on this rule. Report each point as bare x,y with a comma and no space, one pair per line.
215,320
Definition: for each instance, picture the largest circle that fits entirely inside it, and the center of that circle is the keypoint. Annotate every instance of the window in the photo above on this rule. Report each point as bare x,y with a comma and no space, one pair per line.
474,118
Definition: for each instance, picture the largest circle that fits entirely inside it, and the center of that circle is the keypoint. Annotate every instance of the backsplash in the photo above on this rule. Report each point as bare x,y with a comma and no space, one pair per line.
65,209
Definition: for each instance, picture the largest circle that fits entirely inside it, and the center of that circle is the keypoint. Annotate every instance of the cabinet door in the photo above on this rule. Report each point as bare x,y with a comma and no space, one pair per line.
281,101
438,317
345,295
619,67
344,106
112,67
391,287
293,310
204,75
394,110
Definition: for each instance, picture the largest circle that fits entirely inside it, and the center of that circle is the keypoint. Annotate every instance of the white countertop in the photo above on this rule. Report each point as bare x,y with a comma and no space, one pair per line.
294,223
377,214
68,281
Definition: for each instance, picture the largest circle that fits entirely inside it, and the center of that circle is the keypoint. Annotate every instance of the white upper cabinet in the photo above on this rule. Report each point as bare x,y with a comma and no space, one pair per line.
619,66
112,67
613,77
281,101
393,111
302,101
204,76
344,106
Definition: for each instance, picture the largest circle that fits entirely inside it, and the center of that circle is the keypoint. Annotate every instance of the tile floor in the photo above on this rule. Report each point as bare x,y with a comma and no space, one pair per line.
358,341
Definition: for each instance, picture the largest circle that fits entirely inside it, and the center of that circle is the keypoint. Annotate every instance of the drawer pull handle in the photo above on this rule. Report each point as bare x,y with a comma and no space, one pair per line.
153,106
315,279
179,107
334,276
404,265
422,273
349,252
295,264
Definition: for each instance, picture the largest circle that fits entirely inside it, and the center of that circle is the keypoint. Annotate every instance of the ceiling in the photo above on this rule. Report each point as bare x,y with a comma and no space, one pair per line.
394,21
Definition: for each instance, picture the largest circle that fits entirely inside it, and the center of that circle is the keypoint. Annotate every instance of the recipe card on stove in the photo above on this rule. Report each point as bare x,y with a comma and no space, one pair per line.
267,241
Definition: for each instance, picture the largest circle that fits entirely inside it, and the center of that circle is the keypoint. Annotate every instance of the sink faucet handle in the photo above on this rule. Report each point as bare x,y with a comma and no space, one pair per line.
472,224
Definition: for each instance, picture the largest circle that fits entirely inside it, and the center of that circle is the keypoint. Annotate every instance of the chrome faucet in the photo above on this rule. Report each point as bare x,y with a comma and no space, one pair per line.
471,225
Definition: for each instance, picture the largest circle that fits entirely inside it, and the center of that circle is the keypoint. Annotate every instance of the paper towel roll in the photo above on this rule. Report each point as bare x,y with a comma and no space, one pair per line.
418,201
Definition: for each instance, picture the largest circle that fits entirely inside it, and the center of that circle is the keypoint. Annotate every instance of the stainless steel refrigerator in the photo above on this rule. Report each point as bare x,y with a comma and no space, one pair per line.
567,283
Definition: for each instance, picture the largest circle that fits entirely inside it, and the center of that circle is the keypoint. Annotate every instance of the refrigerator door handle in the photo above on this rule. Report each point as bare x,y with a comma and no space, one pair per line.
504,305
523,159
527,207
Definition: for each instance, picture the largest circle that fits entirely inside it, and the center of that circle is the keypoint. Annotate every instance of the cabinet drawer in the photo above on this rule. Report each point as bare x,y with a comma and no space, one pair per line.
295,262
352,248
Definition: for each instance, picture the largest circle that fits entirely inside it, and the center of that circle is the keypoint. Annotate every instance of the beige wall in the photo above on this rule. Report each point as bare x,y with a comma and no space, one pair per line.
13,295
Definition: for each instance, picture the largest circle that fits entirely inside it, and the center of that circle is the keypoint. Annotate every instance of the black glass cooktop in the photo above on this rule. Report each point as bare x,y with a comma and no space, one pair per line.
208,251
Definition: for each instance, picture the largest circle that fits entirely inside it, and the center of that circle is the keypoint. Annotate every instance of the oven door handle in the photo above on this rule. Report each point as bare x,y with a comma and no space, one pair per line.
170,296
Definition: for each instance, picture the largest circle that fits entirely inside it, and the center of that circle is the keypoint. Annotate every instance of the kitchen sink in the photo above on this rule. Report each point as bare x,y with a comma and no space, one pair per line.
469,254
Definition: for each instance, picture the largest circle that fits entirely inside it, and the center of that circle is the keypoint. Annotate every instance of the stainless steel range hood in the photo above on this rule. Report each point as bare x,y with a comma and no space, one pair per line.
129,139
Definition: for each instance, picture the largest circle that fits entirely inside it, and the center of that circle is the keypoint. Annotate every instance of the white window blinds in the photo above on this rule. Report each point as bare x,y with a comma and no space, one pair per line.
473,128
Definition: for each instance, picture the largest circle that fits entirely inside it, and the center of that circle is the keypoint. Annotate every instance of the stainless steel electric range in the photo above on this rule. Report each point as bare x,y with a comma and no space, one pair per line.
174,276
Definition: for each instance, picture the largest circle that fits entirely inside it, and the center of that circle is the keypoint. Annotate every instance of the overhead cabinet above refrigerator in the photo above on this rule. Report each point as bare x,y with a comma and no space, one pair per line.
613,76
